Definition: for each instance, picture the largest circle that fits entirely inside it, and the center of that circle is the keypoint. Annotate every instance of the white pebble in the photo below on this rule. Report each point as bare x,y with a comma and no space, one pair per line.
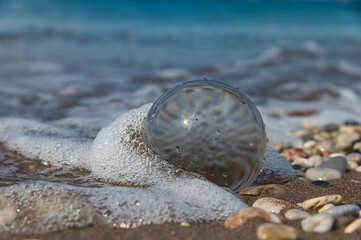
353,226
270,204
354,157
351,165
318,223
323,174
295,214
358,169
321,201
326,207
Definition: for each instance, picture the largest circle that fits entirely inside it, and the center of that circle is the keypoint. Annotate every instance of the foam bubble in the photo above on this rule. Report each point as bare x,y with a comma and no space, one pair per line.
151,190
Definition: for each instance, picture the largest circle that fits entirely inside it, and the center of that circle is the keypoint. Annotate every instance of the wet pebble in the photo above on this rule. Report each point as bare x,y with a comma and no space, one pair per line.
299,167
344,210
351,165
321,201
295,214
354,157
7,211
274,189
240,218
322,174
355,225
293,153
270,204
271,231
338,163
326,207
318,223
321,183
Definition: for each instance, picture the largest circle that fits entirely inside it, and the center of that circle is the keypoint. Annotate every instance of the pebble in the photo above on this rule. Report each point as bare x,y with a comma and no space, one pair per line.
324,148
274,189
295,214
318,223
302,133
354,157
271,231
310,144
347,129
185,224
326,207
336,154
303,162
270,204
238,219
355,225
351,122
321,183
344,140
293,153
357,146
321,201
358,169
351,165
322,174
338,163
344,210
7,211
299,167
343,221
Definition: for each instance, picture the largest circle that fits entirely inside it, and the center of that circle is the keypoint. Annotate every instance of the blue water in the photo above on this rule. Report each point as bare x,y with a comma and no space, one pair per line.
108,50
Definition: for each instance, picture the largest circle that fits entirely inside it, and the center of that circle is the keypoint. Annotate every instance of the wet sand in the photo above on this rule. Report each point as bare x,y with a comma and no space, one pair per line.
349,187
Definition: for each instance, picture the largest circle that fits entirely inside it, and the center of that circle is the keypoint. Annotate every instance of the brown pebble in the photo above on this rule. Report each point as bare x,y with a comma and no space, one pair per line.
343,221
269,189
238,219
271,231
293,153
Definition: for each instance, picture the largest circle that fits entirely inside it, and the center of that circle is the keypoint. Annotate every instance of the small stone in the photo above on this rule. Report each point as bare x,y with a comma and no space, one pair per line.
358,169
336,154
343,221
321,201
185,224
271,231
351,122
351,165
322,174
344,140
270,204
302,133
295,214
274,189
344,210
324,148
355,225
300,173
7,211
303,162
318,223
357,146
299,167
339,163
354,157
347,129
238,219
326,207
330,128
321,183
310,144
293,153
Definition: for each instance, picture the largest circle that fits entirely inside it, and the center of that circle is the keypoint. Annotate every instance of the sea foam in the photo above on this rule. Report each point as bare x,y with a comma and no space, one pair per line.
150,189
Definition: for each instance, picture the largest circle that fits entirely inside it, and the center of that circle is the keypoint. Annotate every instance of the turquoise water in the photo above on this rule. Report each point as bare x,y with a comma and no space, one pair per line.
118,47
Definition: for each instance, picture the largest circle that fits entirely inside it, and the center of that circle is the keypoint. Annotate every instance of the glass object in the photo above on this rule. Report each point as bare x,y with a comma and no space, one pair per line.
209,128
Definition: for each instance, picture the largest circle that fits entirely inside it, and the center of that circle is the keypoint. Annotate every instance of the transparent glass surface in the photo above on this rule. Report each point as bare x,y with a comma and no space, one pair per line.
209,128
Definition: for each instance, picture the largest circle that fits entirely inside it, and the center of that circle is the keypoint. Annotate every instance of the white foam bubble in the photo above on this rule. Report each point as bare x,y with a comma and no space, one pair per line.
152,191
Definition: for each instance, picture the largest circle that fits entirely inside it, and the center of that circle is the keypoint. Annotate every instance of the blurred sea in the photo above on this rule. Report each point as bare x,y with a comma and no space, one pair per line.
95,58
